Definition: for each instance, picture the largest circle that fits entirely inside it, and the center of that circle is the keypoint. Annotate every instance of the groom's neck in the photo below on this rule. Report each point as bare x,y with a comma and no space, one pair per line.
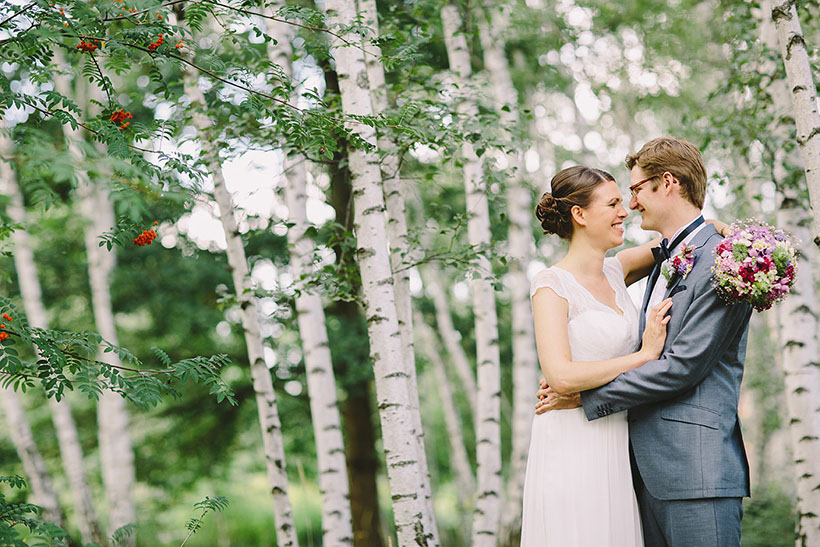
677,220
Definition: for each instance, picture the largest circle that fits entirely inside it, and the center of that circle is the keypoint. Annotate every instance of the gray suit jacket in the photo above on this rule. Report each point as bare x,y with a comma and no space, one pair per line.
683,425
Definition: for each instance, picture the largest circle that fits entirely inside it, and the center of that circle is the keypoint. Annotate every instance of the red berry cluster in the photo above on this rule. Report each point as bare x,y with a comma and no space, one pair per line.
154,45
145,238
3,333
179,45
119,116
89,46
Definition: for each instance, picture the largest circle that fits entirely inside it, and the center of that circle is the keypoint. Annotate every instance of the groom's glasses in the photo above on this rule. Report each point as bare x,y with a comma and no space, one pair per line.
634,188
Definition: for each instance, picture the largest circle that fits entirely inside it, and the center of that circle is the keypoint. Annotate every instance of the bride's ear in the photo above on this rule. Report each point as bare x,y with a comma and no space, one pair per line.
578,215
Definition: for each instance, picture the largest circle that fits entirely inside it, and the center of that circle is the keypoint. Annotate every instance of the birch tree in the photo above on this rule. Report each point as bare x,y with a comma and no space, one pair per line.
42,487
804,100
251,326
414,522
797,323
488,413
116,452
337,527
70,449
521,245
397,234
435,289
797,316
452,421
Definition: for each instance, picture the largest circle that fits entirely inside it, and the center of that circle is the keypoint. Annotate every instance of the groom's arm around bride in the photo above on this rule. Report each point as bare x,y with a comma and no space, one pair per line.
689,463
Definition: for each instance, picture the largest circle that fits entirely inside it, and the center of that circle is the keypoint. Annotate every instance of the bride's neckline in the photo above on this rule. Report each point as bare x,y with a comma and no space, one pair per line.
617,311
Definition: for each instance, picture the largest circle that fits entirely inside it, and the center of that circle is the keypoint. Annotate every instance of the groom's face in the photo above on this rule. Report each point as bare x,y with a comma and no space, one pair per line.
645,198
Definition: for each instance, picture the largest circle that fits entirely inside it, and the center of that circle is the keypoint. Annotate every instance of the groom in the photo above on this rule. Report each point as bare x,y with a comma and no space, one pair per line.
688,462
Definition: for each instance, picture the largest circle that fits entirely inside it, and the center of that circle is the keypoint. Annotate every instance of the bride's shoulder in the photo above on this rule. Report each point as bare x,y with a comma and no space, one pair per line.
550,278
613,264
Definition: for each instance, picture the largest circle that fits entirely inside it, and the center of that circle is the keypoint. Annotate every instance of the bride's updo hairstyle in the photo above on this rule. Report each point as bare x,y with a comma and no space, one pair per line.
569,187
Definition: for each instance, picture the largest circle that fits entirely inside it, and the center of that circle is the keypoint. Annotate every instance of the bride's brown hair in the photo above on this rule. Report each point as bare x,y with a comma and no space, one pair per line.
569,187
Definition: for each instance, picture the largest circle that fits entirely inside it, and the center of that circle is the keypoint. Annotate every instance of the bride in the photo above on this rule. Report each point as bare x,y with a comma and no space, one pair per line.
578,489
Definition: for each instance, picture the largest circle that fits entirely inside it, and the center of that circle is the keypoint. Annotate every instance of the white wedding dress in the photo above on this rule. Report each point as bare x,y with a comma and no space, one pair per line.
578,489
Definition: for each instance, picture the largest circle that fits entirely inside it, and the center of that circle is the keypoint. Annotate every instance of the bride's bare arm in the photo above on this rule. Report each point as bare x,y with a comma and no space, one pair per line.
637,262
552,339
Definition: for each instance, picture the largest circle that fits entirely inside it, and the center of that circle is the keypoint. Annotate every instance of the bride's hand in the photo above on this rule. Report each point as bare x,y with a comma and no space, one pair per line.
725,230
654,335
549,400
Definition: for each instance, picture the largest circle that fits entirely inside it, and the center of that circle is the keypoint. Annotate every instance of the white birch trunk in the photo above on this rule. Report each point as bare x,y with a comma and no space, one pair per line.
397,234
414,522
39,479
521,245
42,489
799,349
240,272
116,453
434,287
488,431
804,100
70,448
337,520
452,421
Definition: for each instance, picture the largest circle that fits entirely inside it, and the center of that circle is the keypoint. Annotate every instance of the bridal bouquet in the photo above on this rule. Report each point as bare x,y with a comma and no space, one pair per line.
756,264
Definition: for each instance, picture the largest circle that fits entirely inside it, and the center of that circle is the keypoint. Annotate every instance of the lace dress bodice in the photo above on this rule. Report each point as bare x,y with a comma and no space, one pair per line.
596,331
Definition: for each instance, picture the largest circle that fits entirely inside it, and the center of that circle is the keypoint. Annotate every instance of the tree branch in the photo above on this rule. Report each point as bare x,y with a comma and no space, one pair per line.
300,25
83,125
25,9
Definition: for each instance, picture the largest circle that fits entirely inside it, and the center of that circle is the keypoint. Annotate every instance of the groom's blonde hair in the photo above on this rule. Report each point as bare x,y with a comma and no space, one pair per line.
678,156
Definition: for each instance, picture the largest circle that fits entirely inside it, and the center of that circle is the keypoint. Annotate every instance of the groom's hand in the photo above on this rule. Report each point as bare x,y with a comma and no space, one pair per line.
549,400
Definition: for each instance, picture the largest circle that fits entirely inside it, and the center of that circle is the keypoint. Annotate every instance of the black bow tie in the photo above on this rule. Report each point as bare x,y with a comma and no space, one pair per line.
664,251
661,252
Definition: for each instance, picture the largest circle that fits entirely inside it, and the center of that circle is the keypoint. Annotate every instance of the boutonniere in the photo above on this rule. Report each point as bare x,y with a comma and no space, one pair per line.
679,265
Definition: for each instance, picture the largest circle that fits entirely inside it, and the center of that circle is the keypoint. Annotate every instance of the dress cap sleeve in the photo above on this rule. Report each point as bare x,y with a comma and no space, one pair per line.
549,278
612,265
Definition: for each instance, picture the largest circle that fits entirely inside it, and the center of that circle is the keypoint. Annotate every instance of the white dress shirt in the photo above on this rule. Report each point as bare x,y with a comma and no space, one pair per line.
660,285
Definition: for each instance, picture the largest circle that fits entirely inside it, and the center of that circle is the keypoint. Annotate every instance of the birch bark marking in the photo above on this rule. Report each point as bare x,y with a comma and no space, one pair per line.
799,348
804,100
240,272
522,243
70,448
397,234
412,518
488,413
337,521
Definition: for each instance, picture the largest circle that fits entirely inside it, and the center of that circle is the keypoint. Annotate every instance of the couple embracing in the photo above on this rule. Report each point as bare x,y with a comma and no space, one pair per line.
671,470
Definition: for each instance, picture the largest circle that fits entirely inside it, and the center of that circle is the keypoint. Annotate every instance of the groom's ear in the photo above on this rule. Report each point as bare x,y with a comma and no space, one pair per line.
669,183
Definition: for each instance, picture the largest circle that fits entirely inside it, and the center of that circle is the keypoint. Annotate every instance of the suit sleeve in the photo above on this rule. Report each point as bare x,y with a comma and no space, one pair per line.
707,330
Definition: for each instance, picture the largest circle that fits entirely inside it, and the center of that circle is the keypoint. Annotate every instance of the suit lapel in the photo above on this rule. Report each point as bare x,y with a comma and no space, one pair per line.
654,275
697,242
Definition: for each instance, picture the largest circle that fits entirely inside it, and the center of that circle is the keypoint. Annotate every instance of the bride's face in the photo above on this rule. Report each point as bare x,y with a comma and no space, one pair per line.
604,217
